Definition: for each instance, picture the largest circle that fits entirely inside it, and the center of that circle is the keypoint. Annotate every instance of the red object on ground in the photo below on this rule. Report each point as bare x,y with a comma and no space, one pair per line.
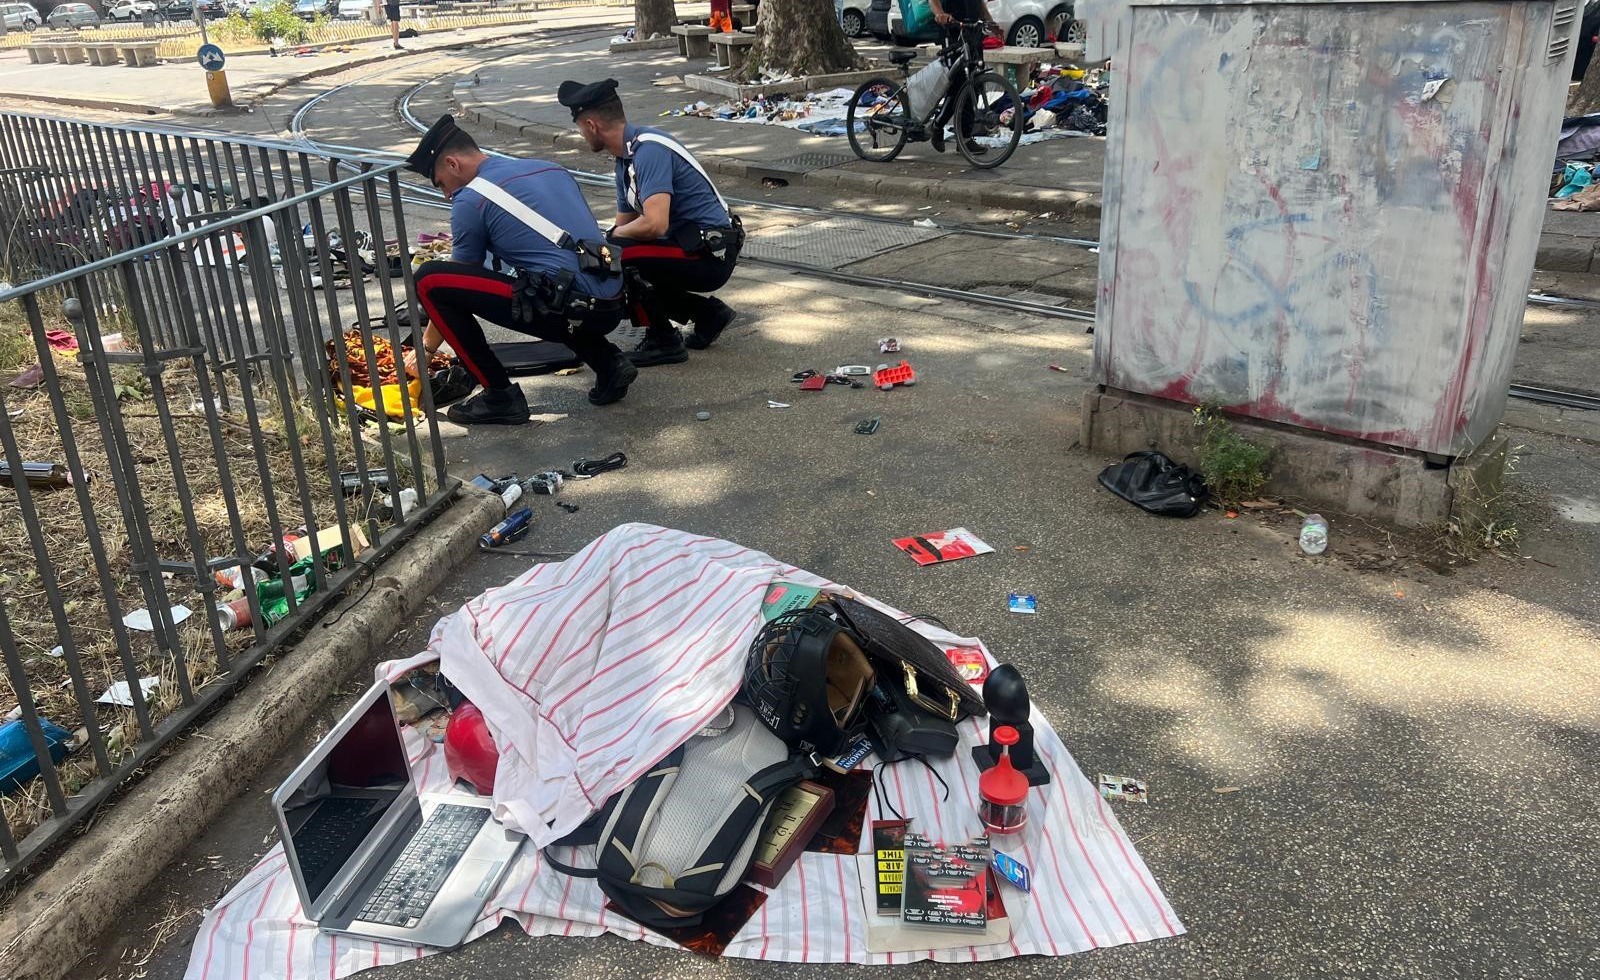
816,382
888,377
1003,790
469,749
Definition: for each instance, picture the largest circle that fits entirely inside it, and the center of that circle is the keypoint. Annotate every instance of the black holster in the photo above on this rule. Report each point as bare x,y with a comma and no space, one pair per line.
537,295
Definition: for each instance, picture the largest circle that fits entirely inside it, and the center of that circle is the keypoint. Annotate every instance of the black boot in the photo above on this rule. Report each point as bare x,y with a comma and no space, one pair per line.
708,328
614,381
659,349
491,406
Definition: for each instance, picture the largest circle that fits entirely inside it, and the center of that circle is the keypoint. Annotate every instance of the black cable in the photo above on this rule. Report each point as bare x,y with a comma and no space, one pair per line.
585,469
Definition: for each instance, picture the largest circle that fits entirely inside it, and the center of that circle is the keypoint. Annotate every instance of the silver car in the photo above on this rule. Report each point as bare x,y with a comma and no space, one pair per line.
20,16
73,15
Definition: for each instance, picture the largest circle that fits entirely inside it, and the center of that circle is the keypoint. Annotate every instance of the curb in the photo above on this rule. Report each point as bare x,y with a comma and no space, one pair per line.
1083,204
55,918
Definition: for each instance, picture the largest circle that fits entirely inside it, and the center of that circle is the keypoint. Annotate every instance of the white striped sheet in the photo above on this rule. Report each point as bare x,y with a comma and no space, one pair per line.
1085,869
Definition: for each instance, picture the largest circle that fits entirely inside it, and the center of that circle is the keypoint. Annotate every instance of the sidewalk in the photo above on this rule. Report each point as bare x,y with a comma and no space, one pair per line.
179,88
517,97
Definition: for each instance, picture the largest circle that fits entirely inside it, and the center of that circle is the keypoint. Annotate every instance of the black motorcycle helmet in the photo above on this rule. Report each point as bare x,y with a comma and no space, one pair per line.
807,679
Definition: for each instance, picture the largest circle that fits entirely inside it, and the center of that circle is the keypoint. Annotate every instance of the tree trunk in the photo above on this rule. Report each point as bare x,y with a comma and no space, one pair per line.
799,37
652,18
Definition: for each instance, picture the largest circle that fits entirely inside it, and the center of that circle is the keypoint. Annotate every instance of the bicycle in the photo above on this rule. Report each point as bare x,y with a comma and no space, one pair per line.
880,119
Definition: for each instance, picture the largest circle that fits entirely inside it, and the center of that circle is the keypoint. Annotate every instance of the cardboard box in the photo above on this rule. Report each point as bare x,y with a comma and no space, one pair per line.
331,539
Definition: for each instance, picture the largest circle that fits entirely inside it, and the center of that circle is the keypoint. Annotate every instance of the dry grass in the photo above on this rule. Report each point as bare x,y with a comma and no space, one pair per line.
22,582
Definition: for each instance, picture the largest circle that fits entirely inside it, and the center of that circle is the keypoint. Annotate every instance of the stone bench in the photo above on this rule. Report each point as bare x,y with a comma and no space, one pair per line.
744,14
1018,64
41,54
104,53
692,40
731,49
70,52
140,55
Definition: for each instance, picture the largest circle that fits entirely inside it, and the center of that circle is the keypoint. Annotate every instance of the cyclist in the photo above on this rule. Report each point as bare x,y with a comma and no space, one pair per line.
951,15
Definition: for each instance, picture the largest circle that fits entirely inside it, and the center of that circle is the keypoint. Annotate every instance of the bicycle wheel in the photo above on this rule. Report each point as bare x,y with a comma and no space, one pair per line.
878,120
989,120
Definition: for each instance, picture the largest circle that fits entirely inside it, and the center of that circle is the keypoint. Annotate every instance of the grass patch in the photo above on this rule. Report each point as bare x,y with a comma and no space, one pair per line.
1234,468
208,493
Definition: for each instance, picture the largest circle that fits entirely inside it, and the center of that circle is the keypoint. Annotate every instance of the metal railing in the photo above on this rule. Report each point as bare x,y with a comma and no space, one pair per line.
211,412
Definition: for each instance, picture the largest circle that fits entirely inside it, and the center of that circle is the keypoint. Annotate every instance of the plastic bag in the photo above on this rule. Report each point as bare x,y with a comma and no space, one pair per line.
916,20
1152,481
926,86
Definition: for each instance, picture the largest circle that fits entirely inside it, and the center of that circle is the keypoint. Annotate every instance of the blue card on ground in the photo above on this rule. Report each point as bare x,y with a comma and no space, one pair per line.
1012,870
1021,602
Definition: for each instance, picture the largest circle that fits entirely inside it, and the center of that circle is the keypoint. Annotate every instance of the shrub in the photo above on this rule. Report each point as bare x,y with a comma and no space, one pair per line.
277,19
1234,469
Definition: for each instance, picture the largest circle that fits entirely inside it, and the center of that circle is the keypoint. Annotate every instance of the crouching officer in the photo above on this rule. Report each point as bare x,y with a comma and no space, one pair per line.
679,238
567,285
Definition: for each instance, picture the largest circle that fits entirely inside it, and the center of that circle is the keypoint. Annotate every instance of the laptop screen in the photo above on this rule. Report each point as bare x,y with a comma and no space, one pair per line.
344,798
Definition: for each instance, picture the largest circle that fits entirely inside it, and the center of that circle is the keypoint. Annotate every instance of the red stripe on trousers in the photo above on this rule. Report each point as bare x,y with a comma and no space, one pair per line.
631,252
455,280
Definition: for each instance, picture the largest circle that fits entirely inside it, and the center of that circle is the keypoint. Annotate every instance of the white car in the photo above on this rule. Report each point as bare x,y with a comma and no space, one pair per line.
130,9
354,10
1025,23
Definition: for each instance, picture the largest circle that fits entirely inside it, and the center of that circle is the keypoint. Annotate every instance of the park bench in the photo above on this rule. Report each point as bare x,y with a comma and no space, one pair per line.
692,40
1017,63
1073,54
42,53
732,49
104,53
138,54
745,14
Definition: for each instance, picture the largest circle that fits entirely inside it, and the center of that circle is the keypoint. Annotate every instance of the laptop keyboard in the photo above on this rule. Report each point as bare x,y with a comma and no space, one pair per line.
409,888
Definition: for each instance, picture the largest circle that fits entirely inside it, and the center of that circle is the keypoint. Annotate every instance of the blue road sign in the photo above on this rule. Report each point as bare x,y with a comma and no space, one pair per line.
211,57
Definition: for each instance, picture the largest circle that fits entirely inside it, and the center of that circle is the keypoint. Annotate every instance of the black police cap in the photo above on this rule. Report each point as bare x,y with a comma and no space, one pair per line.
426,155
581,98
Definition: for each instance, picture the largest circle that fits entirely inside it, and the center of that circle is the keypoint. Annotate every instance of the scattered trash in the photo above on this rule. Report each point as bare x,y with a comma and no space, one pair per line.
547,417
852,370
1057,367
513,527
408,503
15,413
61,340
1022,549
569,508
140,619
57,651
669,80
1012,870
567,372
942,546
511,495
887,377
1022,602
1230,513
815,382
30,377
1314,534
1123,788
1153,482
773,183
234,615
702,416
122,695
773,404
888,345
1224,789
867,427
924,223
18,762
546,484
39,476
350,481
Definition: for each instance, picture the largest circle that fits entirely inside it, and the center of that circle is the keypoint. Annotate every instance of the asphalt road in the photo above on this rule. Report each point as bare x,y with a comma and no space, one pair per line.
1415,742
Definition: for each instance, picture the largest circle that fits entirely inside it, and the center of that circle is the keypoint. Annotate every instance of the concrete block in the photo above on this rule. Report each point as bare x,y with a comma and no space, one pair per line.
1562,253
1386,485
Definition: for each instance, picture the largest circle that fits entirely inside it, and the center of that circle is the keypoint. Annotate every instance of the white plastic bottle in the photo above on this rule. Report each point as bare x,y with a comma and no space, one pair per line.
1314,534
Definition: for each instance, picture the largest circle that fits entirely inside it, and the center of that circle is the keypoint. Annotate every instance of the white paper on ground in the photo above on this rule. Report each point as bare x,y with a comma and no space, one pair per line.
140,619
121,694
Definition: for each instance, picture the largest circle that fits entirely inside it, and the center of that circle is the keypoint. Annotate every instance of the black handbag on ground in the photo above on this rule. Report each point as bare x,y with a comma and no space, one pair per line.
1152,481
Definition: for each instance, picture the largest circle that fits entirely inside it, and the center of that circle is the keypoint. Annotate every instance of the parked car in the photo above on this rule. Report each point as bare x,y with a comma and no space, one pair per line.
312,9
130,10
1025,23
354,10
853,18
184,9
73,15
20,16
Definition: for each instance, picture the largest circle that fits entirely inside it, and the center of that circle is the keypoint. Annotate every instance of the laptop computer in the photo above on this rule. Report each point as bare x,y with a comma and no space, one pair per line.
373,858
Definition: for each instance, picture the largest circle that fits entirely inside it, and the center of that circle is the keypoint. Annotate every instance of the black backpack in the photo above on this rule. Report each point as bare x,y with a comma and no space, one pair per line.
1154,482
681,837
